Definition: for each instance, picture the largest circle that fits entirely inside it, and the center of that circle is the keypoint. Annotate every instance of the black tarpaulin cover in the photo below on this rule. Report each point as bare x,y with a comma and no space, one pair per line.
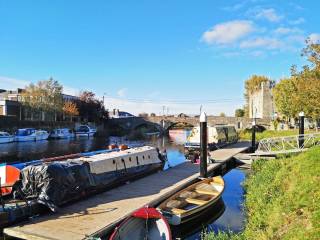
52,184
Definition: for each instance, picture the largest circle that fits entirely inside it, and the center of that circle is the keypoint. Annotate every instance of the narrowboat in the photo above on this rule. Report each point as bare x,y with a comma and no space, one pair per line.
85,131
218,136
56,181
188,203
61,133
6,137
144,223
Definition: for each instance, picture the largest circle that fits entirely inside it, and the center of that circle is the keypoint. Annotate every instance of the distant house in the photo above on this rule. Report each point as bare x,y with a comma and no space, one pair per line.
11,105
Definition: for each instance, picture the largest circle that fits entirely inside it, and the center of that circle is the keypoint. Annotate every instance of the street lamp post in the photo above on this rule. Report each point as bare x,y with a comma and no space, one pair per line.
301,129
203,145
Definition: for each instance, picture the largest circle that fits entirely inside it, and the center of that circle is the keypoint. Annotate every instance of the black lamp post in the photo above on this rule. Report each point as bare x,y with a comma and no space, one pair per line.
301,129
253,137
203,145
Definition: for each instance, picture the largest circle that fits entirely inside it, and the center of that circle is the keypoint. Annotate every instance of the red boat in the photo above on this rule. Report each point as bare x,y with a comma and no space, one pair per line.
145,223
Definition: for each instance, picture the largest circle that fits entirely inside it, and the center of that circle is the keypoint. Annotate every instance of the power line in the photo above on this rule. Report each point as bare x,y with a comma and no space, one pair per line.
179,101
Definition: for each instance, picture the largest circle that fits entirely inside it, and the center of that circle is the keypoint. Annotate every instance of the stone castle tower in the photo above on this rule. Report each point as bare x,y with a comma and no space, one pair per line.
261,104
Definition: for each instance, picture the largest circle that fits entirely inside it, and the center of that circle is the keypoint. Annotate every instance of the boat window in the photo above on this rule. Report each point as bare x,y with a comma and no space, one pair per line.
137,158
122,159
149,156
130,159
143,157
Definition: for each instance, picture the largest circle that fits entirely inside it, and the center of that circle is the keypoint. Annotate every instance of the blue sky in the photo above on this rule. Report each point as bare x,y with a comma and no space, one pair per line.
177,54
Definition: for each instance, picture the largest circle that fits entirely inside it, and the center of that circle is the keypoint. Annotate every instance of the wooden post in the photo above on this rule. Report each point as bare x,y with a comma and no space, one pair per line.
203,145
301,129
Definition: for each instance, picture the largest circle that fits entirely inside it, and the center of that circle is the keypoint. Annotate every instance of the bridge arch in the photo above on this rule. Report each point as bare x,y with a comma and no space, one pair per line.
179,124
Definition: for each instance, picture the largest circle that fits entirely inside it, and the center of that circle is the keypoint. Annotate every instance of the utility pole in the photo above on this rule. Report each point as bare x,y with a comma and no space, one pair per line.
163,107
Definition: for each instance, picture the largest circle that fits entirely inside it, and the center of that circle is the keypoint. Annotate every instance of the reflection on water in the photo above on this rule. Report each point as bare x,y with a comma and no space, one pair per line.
232,214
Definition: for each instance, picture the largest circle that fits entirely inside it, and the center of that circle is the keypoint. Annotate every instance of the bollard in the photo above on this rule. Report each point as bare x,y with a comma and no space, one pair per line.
253,139
301,129
203,145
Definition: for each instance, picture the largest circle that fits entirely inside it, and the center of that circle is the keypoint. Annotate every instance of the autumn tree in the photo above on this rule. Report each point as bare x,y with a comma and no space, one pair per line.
90,107
45,96
239,112
301,92
70,109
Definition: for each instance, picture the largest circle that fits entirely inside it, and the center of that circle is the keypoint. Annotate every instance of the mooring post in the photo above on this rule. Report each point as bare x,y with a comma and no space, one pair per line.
301,129
253,139
203,145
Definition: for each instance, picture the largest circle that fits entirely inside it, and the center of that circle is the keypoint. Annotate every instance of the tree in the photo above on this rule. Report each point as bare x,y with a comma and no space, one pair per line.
43,96
70,109
239,112
222,114
90,107
301,92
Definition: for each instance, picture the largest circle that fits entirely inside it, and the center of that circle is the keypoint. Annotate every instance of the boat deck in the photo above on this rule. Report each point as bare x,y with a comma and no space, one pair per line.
100,213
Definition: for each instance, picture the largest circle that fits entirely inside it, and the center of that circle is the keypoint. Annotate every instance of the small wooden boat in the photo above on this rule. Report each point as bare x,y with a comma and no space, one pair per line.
145,223
186,204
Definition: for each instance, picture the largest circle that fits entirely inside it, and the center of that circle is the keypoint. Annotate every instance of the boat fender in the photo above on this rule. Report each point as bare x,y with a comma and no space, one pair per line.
123,147
113,146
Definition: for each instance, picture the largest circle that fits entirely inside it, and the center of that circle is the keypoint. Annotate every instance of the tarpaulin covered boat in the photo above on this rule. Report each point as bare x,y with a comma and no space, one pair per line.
55,183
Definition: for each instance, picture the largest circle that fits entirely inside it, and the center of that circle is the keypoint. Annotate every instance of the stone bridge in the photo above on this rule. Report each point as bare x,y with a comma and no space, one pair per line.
165,123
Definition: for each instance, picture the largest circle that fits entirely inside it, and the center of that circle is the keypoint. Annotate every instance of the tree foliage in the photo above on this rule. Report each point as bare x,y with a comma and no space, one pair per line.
222,114
70,108
90,107
45,95
301,92
239,112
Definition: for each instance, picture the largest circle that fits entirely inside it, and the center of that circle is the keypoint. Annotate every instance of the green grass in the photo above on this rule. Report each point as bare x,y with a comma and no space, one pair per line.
282,199
246,134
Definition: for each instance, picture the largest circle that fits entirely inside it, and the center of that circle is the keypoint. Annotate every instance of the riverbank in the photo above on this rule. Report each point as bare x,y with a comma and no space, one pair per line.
247,135
282,199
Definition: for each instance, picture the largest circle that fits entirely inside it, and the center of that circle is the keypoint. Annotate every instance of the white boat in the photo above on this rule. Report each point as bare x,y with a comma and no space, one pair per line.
41,135
6,137
61,133
30,134
85,131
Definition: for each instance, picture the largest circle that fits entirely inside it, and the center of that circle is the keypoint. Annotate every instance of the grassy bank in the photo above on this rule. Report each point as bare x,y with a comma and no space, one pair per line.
282,199
246,134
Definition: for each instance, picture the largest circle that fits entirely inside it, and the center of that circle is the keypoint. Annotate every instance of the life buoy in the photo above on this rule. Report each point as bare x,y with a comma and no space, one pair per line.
8,175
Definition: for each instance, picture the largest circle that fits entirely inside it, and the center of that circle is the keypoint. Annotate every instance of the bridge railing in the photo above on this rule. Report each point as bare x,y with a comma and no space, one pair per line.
289,143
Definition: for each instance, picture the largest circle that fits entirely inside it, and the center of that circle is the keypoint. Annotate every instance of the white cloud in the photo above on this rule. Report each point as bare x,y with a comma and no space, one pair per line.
269,14
122,92
12,83
297,21
285,30
314,37
262,42
228,32
8,83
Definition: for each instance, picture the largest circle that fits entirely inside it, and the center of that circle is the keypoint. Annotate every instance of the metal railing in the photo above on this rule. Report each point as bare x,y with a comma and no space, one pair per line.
286,144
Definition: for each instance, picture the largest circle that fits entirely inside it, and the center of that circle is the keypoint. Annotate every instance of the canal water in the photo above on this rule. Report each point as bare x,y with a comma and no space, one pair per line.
228,215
